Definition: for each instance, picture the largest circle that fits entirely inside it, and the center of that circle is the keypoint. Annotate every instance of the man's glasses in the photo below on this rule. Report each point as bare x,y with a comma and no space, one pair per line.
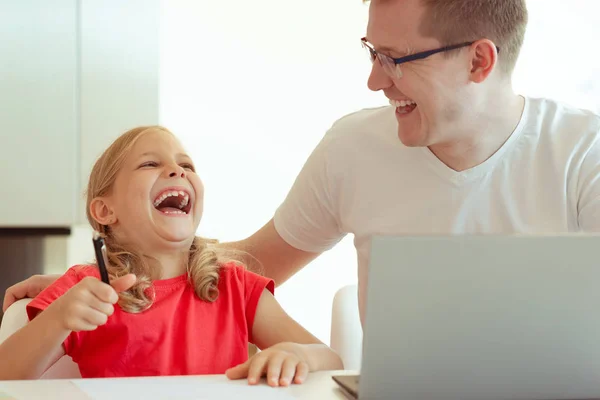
391,65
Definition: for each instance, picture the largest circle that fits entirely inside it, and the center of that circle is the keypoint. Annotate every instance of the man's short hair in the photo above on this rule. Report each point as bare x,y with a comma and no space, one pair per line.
455,21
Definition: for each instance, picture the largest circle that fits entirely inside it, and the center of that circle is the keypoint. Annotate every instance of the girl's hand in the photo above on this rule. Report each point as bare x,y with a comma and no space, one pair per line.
283,364
88,304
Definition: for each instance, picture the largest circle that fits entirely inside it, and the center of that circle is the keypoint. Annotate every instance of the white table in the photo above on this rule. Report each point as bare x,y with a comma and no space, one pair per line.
319,385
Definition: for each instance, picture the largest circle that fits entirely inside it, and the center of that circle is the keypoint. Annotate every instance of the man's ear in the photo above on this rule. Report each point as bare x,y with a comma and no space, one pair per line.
484,57
102,212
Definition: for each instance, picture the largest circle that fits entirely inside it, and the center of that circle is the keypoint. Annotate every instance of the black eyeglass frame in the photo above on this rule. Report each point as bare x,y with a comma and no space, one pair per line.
417,56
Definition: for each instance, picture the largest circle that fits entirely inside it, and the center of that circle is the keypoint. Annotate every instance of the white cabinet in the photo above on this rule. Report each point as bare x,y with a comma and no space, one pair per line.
38,113
74,74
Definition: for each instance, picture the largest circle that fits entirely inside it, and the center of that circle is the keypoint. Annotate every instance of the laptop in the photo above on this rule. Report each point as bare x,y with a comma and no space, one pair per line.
481,318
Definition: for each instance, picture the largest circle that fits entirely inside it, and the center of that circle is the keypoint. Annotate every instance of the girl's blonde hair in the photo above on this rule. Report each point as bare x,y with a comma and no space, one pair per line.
204,260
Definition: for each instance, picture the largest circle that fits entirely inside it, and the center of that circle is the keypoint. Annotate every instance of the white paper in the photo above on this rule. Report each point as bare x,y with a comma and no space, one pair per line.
6,396
184,388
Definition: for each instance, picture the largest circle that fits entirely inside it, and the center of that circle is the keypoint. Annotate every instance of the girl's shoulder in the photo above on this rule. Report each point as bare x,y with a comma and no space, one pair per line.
60,286
84,270
236,269
234,273
231,267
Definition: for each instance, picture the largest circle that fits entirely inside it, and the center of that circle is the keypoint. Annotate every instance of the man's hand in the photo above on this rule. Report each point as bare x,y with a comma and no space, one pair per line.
29,288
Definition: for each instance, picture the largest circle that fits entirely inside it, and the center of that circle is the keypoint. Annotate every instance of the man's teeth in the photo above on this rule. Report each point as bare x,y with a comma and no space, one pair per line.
173,193
401,103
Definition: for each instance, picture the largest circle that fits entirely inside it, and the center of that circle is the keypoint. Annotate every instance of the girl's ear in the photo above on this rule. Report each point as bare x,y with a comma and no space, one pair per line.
102,212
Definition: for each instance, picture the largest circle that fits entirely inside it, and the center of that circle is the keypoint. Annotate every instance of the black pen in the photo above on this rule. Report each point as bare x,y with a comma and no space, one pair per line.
100,250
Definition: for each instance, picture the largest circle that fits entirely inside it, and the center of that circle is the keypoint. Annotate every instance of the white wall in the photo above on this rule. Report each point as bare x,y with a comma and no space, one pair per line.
251,87
560,54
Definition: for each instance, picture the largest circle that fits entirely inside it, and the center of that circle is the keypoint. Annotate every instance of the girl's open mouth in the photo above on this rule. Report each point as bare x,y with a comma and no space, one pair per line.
175,202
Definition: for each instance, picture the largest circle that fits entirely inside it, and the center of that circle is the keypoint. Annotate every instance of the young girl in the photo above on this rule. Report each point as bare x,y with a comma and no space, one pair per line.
182,308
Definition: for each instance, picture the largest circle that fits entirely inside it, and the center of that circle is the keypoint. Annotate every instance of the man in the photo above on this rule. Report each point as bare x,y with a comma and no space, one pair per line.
456,152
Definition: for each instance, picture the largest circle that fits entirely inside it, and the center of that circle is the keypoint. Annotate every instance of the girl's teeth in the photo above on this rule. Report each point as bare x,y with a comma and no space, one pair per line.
184,201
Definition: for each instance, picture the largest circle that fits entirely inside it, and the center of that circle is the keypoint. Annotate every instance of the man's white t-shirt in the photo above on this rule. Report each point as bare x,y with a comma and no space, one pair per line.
362,180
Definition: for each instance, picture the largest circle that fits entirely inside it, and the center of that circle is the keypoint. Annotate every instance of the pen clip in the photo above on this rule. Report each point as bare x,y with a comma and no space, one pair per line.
101,259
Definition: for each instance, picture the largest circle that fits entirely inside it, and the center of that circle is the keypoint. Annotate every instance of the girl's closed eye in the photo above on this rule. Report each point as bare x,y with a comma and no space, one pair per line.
188,166
149,164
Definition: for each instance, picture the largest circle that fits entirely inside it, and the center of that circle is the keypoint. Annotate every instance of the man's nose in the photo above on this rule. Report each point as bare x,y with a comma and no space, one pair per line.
378,79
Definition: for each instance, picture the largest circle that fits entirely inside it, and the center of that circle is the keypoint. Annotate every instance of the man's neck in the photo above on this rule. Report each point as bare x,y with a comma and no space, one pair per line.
489,130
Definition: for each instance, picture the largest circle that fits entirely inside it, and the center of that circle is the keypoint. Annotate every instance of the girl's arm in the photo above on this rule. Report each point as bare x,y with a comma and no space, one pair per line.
289,350
272,325
30,351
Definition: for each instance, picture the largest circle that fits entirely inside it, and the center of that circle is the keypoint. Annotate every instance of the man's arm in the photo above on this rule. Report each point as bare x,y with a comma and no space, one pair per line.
269,255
